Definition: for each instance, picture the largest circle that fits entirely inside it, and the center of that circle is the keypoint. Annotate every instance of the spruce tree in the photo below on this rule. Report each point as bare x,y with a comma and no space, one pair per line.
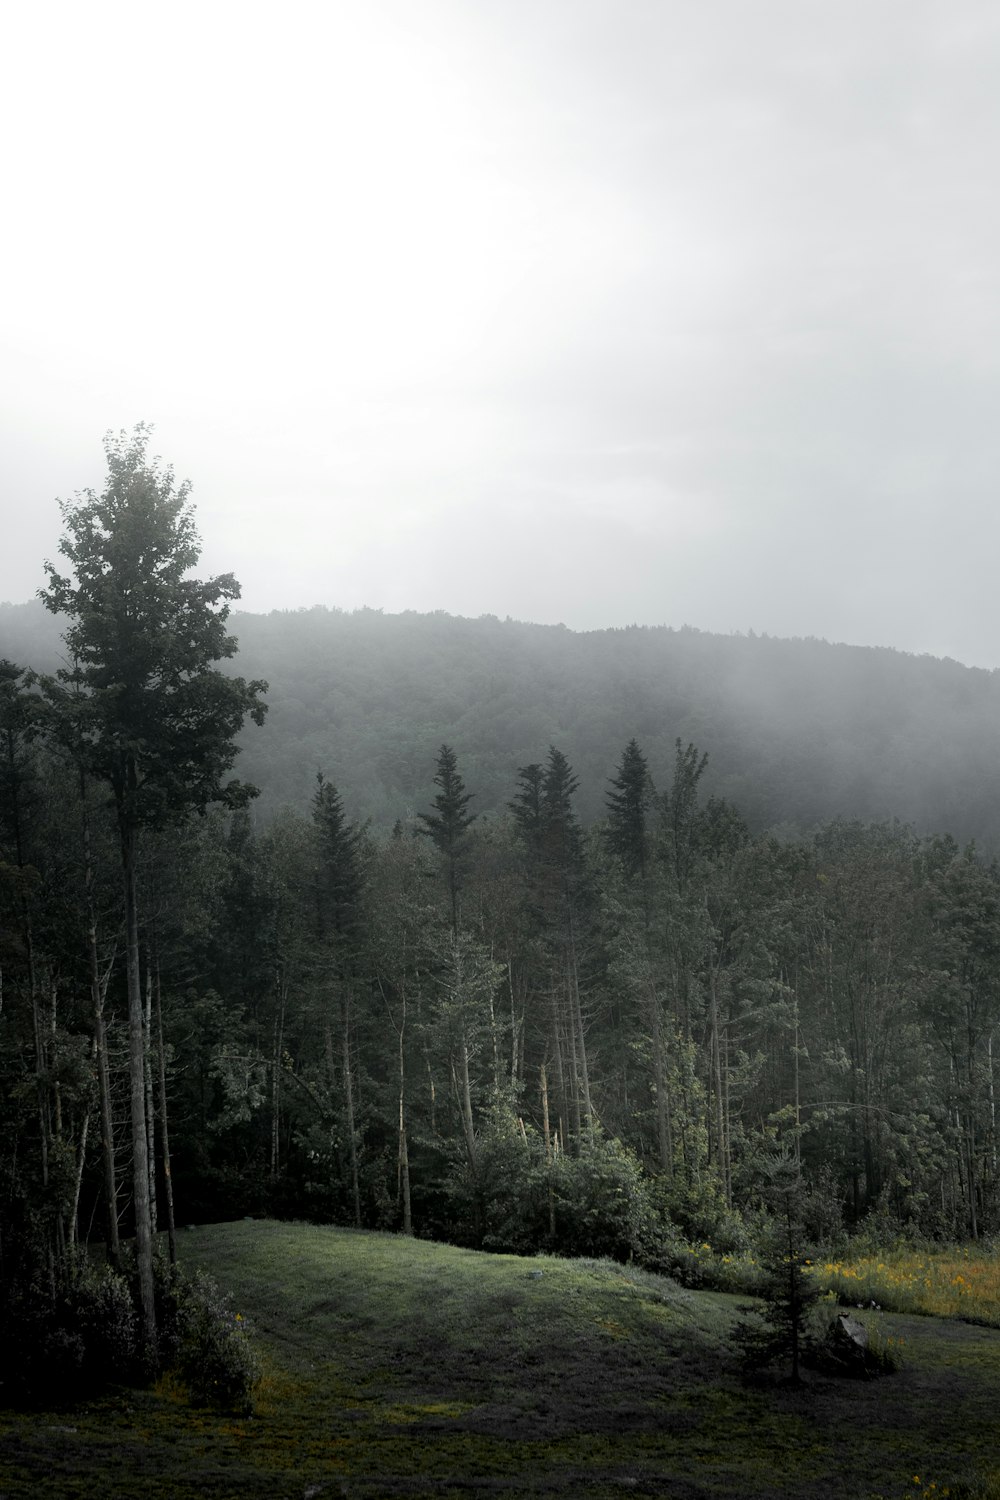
449,824
628,803
338,868
142,707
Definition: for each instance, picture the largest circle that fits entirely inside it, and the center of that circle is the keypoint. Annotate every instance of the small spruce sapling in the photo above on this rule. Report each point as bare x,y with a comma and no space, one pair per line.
776,1330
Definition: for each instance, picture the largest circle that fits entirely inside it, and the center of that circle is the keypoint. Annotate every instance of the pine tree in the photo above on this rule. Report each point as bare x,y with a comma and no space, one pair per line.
526,806
560,825
777,1330
448,826
628,803
338,891
338,869
142,707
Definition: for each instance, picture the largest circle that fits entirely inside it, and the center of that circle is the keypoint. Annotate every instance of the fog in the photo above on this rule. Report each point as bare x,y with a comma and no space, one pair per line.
571,311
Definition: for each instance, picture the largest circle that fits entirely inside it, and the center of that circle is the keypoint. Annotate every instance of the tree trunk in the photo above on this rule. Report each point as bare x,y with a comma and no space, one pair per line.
548,1153
352,1139
404,1155
277,1049
81,1157
467,1121
168,1181
98,990
663,1141
716,1069
581,1039
150,1096
574,1067
137,1089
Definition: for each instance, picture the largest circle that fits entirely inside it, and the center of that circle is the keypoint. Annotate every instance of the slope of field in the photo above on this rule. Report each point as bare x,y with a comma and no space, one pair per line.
399,1367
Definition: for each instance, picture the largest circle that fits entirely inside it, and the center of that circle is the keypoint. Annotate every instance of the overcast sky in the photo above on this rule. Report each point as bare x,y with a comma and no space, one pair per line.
593,311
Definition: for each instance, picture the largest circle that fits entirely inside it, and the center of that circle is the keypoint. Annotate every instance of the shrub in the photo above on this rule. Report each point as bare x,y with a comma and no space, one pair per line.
84,1337
701,1215
215,1358
503,1205
106,1319
605,1207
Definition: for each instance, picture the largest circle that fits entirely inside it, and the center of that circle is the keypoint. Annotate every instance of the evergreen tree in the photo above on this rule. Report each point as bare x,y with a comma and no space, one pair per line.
448,825
338,910
559,820
526,806
628,802
777,1330
142,706
338,868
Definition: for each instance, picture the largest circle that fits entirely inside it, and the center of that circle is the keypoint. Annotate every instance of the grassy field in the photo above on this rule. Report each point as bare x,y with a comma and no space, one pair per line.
946,1283
395,1367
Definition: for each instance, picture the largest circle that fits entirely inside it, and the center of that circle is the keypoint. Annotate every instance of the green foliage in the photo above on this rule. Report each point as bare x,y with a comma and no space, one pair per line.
86,1337
778,1329
141,706
604,1206
629,802
602,1203
82,1338
502,1205
215,1357
701,1215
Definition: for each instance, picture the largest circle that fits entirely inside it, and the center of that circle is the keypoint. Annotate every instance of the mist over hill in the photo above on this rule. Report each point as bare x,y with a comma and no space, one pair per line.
797,731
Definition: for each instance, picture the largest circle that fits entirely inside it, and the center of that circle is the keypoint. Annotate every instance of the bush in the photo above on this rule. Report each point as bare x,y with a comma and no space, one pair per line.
82,1339
605,1207
508,1202
701,1215
215,1358
55,1349
107,1321
600,1201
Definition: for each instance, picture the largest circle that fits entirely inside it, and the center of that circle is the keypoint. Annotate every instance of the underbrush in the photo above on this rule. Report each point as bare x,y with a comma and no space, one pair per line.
85,1337
948,1283
951,1283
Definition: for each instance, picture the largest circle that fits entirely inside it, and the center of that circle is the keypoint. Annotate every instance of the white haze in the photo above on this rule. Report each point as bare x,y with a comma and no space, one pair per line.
596,311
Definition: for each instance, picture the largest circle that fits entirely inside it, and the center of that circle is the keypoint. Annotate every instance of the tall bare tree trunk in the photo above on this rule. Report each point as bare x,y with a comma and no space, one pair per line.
150,1096
574,1067
467,1121
663,1141
137,1090
404,1155
168,1181
716,1071
276,1056
548,1152
581,1037
98,991
352,1138
81,1157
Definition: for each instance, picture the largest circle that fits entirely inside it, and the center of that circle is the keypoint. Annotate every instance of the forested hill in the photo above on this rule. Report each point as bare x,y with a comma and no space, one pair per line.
797,731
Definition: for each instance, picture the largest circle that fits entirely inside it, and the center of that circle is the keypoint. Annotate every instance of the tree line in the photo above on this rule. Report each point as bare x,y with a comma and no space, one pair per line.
514,1031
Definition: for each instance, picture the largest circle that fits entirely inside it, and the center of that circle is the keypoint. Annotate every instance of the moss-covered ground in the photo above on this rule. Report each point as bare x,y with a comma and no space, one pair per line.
395,1367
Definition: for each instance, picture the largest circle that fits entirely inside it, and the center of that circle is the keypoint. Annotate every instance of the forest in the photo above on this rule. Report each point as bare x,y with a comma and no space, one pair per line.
497,1021
798,732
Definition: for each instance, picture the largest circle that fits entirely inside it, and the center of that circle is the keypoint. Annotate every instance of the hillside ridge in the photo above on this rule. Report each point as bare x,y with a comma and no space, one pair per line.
797,730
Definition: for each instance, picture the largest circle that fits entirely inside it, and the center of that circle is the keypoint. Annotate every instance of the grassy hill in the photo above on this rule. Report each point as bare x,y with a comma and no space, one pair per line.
399,1367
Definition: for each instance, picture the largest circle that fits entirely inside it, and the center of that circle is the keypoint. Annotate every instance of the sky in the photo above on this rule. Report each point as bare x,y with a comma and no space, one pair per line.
597,312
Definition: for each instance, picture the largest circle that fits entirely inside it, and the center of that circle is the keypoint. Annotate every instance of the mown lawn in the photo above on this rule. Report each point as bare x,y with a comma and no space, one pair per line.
396,1367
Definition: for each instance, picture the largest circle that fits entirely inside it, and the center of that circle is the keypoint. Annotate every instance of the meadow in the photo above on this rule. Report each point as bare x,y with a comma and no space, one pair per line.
398,1367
